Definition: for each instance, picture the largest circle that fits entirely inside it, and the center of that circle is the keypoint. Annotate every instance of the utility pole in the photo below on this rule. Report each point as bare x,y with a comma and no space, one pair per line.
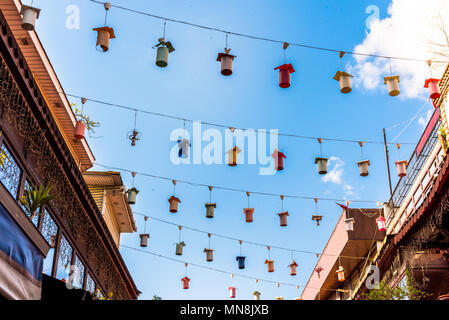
388,164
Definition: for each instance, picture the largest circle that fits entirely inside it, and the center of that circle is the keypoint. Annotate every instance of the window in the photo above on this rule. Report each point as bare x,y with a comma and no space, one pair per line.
90,284
10,172
64,259
78,275
49,232
35,219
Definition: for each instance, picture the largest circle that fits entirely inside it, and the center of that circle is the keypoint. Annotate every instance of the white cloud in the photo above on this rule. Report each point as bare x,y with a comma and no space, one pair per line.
413,29
335,173
348,190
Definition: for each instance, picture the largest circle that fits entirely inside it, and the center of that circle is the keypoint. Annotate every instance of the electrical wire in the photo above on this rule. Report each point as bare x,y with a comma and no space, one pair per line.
134,109
246,241
302,45
229,189
217,270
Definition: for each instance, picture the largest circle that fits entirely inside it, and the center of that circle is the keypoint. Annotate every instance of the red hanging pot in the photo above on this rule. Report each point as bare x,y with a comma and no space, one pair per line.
232,292
80,128
226,60
283,218
284,75
434,89
185,283
173,204
293,268
381,223
248,214
278,160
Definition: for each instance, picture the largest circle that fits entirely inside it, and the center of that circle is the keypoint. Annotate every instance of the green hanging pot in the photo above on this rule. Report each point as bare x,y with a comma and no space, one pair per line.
132,193
162,57
322,165
179,247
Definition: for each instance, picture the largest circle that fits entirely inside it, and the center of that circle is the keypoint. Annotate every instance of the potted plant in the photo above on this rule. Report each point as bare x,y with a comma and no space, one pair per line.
226,60
29,16
34,199
83,122
393,85
345,81
132,193
163,49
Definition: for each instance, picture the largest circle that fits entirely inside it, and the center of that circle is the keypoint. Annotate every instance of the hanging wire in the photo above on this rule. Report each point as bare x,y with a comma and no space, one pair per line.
217,270
158,114
145,225
246,241
226,188
302,45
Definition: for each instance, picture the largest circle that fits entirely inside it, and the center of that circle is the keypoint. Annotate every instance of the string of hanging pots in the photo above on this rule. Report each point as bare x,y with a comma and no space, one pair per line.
186,280
231,128
240,259
164,48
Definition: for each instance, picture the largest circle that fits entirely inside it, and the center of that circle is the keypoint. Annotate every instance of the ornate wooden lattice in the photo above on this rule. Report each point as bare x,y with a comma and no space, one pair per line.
15,110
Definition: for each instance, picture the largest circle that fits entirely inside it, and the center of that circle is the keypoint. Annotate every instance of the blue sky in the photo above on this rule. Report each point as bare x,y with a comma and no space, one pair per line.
192,87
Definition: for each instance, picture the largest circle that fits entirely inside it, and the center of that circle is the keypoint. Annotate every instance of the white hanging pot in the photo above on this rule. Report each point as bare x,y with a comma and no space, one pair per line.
349,223
363,166
144,239
29,17
393,85
344,79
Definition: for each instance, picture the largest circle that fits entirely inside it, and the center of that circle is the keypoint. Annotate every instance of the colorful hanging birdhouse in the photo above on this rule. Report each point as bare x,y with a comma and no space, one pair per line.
363,167
179,247
322,165
401,166
381,223
434,89
232,156
184,148
173,204
210,209
132,194
278,160
232,291
349,223
283,218
241,262
256,295
104,34
270,265
345,81
340,274
284,74
185,283
163,49
317,218
29,17
226,60
292,267
393,85
144,239
80,129
209,254
248,214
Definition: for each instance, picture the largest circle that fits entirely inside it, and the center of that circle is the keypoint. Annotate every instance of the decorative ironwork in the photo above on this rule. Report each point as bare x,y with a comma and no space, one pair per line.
15,110
90,284
10,173
78,276
49,229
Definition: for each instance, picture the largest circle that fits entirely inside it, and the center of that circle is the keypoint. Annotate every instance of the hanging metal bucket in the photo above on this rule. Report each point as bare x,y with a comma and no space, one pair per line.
322,165
241,262
270,265
29,17
209,255
144,239
104,35
162,57
210,209
401,166
393,85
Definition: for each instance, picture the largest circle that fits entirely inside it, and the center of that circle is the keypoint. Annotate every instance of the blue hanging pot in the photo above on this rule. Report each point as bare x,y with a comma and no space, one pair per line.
241,262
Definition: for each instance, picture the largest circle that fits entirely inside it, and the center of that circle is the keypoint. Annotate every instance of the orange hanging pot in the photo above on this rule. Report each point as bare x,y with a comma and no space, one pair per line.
104,34
284,74
283,218
226,60
209,254
270,265
80,129
248,214
174,204
292,267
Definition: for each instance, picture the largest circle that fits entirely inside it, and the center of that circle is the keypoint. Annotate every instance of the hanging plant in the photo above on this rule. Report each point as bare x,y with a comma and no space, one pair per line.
83,122
34,199
29,16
